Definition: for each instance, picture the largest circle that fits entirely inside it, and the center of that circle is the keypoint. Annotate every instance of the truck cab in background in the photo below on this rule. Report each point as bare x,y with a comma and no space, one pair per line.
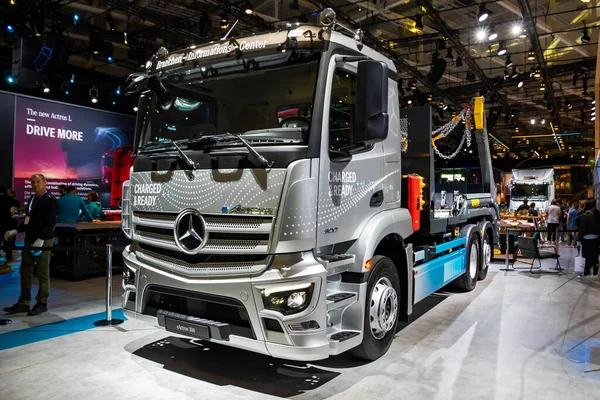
272,207
535,185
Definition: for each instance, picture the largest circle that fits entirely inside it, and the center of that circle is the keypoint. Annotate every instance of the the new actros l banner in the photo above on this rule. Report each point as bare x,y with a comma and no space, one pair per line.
69,145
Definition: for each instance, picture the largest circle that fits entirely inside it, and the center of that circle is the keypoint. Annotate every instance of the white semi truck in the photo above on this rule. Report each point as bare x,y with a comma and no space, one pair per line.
535,185
267,205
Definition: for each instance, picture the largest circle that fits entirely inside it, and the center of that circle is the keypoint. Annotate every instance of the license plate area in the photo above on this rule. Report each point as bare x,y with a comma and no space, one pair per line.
187,328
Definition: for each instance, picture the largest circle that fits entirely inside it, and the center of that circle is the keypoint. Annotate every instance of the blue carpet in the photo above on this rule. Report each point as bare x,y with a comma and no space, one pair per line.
34,334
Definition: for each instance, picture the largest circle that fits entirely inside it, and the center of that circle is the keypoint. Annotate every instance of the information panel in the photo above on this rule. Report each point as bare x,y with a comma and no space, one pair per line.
70,145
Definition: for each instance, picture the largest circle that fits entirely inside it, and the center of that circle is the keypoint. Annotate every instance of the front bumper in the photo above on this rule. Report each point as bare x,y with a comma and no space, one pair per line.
290,341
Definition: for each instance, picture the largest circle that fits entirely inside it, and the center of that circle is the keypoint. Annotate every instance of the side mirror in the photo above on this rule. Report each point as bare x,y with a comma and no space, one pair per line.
135,83
371,109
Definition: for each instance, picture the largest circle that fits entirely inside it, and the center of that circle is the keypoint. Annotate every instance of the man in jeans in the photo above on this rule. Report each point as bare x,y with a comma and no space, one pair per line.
589,236
553,220
572,224
39,232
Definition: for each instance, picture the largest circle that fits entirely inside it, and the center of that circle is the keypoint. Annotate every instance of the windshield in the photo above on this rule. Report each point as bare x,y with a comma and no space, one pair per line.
532,192
268,97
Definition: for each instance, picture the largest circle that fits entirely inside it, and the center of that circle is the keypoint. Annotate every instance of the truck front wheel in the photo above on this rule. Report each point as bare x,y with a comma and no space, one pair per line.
468,280
381,310
487,255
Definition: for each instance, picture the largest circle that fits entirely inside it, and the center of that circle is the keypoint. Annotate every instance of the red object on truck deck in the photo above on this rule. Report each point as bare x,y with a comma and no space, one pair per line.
123,160
415,200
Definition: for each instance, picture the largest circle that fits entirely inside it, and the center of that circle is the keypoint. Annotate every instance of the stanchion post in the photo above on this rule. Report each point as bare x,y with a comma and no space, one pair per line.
108,321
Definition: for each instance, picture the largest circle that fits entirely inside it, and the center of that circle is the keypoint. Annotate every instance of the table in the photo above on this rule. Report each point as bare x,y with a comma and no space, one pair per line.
517,225
81,263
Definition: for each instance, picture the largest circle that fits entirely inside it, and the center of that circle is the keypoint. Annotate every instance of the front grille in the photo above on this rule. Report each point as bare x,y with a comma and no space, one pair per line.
272,325
225,233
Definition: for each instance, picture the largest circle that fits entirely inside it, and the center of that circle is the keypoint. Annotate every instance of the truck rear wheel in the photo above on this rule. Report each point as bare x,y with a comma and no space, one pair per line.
468,280
487,251
381,310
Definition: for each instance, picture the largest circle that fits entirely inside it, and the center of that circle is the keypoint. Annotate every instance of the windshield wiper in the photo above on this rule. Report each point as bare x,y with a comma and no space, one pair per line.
263,162
180,152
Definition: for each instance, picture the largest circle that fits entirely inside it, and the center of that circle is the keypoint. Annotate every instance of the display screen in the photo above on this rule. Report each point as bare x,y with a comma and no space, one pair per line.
67,144
531,192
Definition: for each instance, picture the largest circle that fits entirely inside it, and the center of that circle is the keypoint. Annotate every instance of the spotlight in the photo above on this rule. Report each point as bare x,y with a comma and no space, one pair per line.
484,13
542,86
520,84
569,106
493,35
38,23
224,21
532,121
531,55
413,85
481,34
419,22
585,38
515,73
445,107
449,55
109,59
543,121
442,105
502,50
93,94
46,89
125,38
429,97
10,79
523,34
10,28
248,8
516,30
506,74
409,102
75,18
65,88
537,73
72,78
459,62
135,109
585,84
114,103
118,91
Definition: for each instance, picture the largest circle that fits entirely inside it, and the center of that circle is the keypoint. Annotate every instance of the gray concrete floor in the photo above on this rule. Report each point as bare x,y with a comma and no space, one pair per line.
516,336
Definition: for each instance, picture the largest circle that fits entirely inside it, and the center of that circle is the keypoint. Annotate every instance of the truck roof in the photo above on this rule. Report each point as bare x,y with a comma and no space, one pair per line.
302,36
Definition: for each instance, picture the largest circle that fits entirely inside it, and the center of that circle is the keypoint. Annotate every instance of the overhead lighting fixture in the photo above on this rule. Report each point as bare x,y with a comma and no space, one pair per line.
109,59
569,106
72,78
118,91
506,74
135,109
585,38
493,35
532,121
413,85
509,62
459,62
10,79
481,34
537,73
419,22
520,84
110,22
248,8
429,97
543,121
516,30
483,14
75,18
65,88
45,84
10,28
93,94
502,50
523,34
224,21
515,73
409,102
449,55
531,55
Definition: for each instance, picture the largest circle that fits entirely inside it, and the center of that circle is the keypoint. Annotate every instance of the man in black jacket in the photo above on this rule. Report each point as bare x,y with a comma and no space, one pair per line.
589,235
5,221
39,232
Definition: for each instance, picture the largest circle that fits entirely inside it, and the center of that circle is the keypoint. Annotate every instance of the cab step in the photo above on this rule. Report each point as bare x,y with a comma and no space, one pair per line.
340,300
337,263
343,336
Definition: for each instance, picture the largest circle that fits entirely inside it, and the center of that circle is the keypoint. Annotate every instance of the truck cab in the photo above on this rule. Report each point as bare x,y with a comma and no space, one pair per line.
264,203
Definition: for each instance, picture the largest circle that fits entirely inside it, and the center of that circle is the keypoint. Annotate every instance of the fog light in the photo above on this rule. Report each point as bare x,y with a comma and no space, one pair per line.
296,299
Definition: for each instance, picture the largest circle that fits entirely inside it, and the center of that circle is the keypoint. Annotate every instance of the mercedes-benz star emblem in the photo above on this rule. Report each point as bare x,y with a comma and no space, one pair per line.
190,231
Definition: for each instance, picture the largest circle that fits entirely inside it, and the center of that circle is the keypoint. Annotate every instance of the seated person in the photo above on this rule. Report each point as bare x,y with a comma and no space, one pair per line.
69,207
532,211
94,206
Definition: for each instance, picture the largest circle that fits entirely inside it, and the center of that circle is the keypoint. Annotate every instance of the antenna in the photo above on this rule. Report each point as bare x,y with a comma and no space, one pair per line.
229,31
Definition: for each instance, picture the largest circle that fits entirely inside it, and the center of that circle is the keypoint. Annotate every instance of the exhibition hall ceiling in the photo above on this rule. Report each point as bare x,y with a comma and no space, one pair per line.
533,60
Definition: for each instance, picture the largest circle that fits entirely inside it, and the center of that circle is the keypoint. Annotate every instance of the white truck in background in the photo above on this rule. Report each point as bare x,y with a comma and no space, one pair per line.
535,185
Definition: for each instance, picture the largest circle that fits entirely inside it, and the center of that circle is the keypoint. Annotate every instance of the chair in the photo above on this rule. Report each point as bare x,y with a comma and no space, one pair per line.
529,249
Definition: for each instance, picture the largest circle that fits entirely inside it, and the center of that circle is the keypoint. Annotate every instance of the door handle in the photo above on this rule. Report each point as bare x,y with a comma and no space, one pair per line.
376,199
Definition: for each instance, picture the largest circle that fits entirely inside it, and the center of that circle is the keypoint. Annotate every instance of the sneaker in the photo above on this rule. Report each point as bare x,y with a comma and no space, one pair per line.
38,309
17,308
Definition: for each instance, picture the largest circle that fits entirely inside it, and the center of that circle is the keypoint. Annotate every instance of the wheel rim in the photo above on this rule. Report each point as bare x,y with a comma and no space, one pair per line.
384,308
487,252
473,260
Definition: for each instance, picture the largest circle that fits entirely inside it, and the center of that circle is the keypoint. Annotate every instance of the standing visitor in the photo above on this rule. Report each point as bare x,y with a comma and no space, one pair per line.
6,222
572,225
39,232
553,220
589,236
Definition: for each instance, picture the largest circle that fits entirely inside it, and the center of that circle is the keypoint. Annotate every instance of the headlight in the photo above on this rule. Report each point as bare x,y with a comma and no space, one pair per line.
289,299
126,221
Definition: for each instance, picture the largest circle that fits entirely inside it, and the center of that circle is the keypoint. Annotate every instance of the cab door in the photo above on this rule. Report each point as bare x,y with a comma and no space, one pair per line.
350,187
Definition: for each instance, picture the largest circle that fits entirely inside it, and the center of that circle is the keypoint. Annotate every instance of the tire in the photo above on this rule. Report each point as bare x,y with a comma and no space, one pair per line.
381,310
487,251
468,280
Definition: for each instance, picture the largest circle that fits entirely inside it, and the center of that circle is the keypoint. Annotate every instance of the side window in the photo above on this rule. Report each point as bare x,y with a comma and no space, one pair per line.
341,110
